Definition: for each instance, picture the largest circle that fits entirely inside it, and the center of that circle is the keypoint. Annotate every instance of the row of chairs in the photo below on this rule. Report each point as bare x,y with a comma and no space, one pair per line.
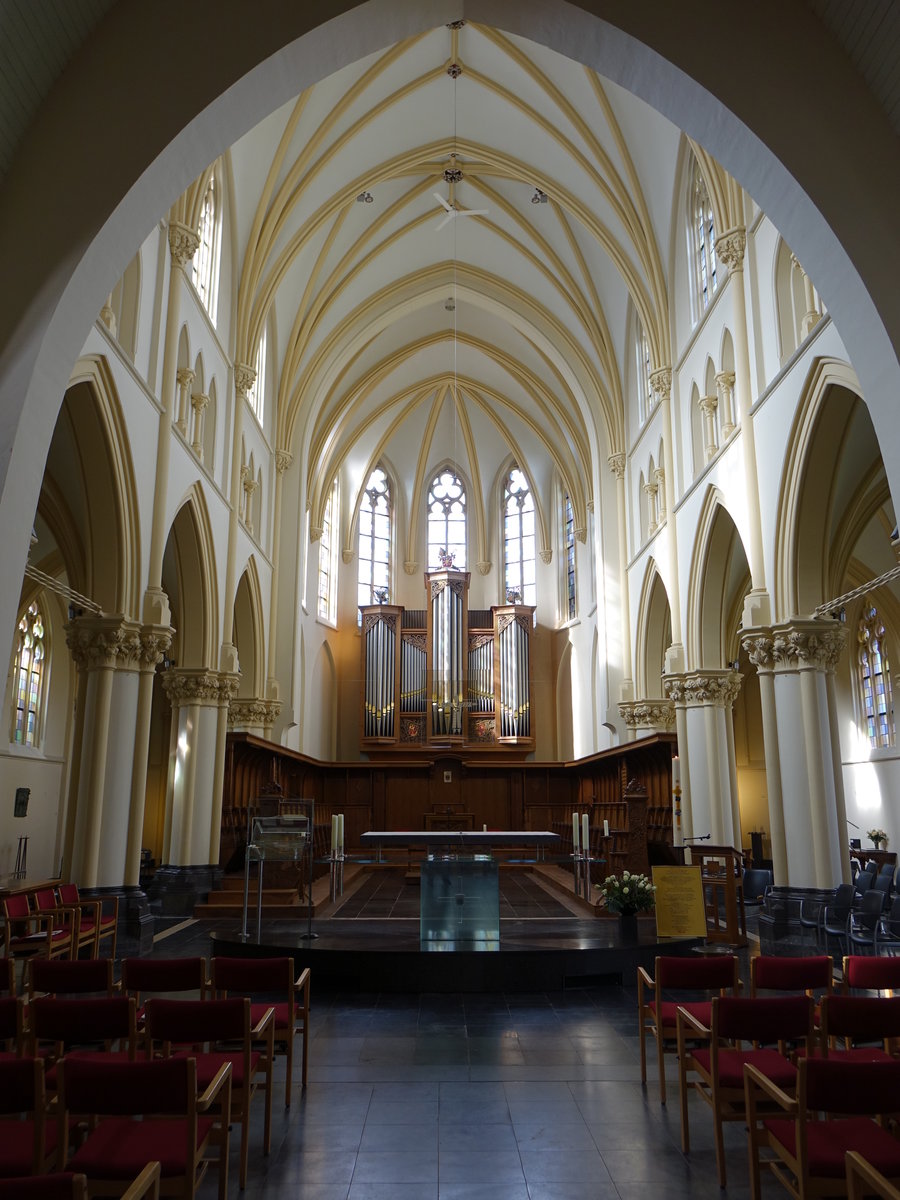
858,921
65,1185
55,922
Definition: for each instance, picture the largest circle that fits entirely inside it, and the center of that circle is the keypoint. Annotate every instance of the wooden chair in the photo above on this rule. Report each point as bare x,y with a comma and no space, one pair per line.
774,973
865,972
719,1063
27,932
99,1027
121,1143
849,1024
27,1143
70,977
864,1181
218,1032
7,975
64,916
274,979
97,916
809,1150
12,1036
657,1017
143,977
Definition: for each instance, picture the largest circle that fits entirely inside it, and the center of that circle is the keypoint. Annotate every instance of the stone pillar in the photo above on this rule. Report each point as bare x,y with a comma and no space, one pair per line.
617,466
183,243
708,406
244,377
759,650
706,699
725,384
655,716
154,643
800,657
812,316
650,490
659,478
107,652
199,401
283,460
184,377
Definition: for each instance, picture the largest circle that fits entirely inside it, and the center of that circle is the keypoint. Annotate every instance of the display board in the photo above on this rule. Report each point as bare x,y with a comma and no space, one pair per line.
680,910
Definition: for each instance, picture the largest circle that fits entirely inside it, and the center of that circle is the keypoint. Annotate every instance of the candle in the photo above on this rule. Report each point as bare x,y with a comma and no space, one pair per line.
333,835
341,832
676,772
575,832
484,829
585,833
605,828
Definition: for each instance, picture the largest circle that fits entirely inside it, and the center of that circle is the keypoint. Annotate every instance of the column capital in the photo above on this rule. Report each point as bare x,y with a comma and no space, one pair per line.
156,641
659,474
283,460
709,404
617,465
661,382
651,489
546,556
250,484
252,711
199,401
725,379
410,567
198,685
244,379
796,645
185,376
648,714
183,243
730,247
718,687
105,642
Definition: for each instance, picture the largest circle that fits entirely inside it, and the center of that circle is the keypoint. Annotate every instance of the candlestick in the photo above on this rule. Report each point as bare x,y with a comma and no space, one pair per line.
575,832
585,833
341,832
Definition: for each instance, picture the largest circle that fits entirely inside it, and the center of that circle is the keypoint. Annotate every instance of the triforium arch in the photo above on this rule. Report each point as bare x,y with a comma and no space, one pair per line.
190,553
654,633
249,632
720,579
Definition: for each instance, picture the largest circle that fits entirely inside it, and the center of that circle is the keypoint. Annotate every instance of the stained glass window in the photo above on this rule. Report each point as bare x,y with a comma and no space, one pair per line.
569,540
875,680
447,520
374,579
205,263
518,538
28,677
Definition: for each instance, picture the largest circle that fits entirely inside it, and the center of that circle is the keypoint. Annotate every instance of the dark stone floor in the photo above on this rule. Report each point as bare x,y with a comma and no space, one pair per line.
478,1097
392,895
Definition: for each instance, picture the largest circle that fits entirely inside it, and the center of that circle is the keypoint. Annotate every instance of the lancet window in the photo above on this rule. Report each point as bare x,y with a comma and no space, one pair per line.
874,680
518,538
447,519
374,557
28,677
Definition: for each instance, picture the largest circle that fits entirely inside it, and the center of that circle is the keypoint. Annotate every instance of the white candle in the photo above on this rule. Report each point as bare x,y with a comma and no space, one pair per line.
605,828
341,832
585,833
333,834
676,772
484,829
575,832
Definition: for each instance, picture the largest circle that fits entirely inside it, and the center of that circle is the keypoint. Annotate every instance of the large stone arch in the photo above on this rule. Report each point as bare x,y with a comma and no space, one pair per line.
719,580
654,634
190,552
249,632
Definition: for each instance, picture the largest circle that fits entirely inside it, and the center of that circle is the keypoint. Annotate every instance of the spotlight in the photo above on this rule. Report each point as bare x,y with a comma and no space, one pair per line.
539,197
450,304
364,198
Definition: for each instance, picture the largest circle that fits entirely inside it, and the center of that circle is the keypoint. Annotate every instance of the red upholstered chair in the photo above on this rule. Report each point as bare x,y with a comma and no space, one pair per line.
12,1036
718,1065
808,1148
273,980
27,1146
848,1021
98,918
99,1027
70,977
217,1032
7,975
61,1185
143,977
863,1180
865,972
656,1016
772,973
27,932
179,1137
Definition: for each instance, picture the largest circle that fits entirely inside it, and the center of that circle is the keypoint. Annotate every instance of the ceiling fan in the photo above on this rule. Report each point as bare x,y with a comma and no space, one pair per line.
452,211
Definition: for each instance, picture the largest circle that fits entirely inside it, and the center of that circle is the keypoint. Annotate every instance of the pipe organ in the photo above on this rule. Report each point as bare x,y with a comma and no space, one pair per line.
444,675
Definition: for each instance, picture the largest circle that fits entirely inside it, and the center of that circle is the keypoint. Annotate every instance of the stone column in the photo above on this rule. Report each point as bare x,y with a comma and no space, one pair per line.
183,243
617,466
650,490
706,699
812,316
661,383
244,377
199,401
801,656
759,649
730,248
228,686
725,384
659,478
250,486
283,460
184,377
154,643
708,406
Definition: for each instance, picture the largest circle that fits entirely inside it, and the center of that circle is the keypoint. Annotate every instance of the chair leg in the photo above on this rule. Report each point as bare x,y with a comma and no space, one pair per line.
289,1054
720,1148
683,1096
642,1039
661,1059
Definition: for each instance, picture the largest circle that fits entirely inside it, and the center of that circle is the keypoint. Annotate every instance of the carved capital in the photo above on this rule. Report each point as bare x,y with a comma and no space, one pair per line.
725,379
483,568
187,685
796,645
546,556
244,379
581,535
283,459
347,557
650,489
315,532
660,476
661,382
719,687
617,465
199,401
709,404
760,650
183,243
252,712
104,642
250,485
156,641
648,714
184,376
410,567
730,248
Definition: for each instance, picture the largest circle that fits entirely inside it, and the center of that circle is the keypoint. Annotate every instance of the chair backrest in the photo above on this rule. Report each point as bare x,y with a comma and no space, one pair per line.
249,976
763,1019
11,1023
68,893
870,908
143,975
198,1022
714,973
61,976
756,883
45,899
887,869
883,883
843,897
157,1087
770,972
833,1085
17,907
81,1021
864,880
59,1186
860,1018
873,974
21,1085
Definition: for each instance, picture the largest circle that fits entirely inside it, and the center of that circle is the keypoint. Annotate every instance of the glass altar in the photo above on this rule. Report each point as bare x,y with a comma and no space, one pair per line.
460,903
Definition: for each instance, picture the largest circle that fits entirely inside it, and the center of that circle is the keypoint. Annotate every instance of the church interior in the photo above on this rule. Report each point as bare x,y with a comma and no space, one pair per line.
427,405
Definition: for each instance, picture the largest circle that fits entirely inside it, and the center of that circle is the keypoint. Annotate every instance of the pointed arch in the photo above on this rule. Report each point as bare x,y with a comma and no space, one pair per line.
126,306
719,579
565,723
196,601
249,631
654,633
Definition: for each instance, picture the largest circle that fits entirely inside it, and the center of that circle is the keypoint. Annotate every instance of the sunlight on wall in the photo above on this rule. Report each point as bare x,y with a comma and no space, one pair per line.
867,788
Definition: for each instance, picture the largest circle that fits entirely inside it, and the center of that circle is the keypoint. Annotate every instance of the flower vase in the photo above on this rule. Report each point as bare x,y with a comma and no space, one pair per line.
877,843
628,927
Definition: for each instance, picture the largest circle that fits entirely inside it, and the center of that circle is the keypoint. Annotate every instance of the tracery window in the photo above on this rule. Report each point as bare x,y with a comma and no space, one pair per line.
569,544
518,537
28,677
874,679
703,242
205,263
327,590
256,395
447,519
375,512
645,390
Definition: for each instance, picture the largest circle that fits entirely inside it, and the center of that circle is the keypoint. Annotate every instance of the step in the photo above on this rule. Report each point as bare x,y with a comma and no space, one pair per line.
270,912
282,896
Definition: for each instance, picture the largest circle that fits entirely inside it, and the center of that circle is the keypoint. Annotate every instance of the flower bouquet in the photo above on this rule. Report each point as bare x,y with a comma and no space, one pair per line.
629,895
877,836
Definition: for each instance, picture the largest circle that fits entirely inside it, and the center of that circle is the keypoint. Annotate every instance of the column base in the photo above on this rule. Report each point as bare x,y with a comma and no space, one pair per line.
134,935
174,890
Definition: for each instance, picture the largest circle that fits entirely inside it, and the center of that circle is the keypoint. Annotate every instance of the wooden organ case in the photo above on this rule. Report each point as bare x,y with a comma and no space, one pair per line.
447,676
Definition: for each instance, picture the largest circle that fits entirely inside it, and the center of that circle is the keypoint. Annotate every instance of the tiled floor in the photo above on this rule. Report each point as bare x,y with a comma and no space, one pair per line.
464,1097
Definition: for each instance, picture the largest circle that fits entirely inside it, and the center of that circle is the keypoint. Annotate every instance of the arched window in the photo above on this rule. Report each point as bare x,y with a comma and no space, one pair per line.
256,395
327,591
568,522
703,241
205,265
447,520
874,679
642,373
374,579
28,677
518,538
